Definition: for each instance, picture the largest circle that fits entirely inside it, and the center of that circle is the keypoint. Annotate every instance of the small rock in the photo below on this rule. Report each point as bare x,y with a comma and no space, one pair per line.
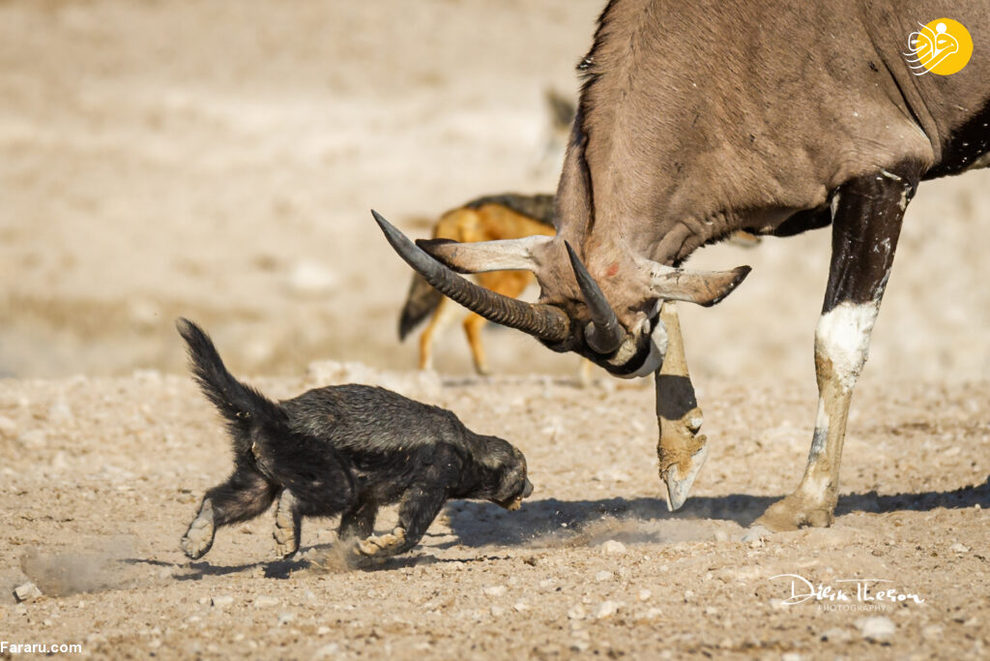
497,611
603,575
613,547
652,614
323,630
837,635
577,612
791,656
876,628
495,590
755,536
310,278
221,601
8,427
688,595
27,592
932,632
959,548
265,602
327,651
606,609
521,606
721,536
285,618
644,595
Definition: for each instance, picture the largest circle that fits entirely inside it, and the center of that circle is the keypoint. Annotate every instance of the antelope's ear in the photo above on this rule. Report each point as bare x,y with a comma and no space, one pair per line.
700,287
482,256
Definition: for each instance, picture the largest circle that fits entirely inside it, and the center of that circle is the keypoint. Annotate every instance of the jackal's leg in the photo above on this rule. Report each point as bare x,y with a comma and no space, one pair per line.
473,323
681,450
442,316
866,222
506,283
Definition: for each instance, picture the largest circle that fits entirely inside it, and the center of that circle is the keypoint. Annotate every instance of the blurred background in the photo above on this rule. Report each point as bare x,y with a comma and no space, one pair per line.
217,160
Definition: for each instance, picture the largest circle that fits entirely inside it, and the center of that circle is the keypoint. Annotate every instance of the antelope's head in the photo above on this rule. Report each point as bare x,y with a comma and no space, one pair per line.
573,313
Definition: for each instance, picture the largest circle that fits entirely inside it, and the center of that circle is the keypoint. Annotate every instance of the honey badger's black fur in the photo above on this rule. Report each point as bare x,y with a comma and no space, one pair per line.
343,450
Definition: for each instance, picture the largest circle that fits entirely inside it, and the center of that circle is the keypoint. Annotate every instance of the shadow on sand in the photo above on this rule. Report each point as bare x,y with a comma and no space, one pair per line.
541,522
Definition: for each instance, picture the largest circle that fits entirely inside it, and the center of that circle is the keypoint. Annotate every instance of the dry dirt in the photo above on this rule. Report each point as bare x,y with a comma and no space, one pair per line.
218,159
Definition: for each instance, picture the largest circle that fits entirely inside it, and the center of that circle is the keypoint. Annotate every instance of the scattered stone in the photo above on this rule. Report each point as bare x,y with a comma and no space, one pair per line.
877,628
721,536
27,592
652,614
221,601
323,630
521,606
265,602
755,536
603,575
309,278
932,632
327,651
285,618
577,612
497,611
959,548
837,635
495,590
8,428
606,609
791,656
613,547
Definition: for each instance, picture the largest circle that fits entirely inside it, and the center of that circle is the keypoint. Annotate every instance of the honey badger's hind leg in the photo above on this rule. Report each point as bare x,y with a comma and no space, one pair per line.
288,525
244,495
318,485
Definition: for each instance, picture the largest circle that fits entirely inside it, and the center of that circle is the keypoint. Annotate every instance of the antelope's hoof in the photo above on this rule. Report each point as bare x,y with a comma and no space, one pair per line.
796,511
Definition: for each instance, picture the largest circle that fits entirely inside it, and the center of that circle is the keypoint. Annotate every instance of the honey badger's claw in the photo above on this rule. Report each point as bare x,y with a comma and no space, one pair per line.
383,544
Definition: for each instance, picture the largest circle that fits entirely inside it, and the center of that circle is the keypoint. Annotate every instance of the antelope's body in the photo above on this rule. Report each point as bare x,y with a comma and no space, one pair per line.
698,119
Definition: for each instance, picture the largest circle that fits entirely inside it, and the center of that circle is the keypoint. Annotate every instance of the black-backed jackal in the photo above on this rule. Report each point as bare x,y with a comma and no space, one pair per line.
508,216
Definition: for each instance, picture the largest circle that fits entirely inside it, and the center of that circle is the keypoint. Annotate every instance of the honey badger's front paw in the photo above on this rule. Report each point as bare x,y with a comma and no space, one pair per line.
382,545
199,537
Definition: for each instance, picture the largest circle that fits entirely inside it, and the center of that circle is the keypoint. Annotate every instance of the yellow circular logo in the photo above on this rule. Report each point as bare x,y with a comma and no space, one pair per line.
943,47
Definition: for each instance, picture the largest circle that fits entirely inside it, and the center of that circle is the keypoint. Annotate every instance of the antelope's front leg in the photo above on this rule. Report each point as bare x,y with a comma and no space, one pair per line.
681,449
866,222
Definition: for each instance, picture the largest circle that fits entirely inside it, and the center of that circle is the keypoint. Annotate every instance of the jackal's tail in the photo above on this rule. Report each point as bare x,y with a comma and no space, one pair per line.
241,406
422,300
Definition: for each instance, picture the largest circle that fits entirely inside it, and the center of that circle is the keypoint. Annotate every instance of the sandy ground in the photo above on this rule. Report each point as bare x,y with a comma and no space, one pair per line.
218,160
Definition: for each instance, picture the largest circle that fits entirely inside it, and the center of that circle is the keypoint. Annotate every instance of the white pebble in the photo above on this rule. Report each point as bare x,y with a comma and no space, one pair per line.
27,592
285,618
603,575
495,590
606,609
613,547
576,612
521,606
876,628
959,548
265,602
644,595
221,601
497,611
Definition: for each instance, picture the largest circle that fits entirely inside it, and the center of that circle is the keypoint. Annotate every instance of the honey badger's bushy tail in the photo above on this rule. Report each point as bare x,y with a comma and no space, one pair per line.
242,406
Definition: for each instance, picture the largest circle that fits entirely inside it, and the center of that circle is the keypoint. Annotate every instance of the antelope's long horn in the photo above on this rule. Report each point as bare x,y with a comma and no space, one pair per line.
604,334
547,322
